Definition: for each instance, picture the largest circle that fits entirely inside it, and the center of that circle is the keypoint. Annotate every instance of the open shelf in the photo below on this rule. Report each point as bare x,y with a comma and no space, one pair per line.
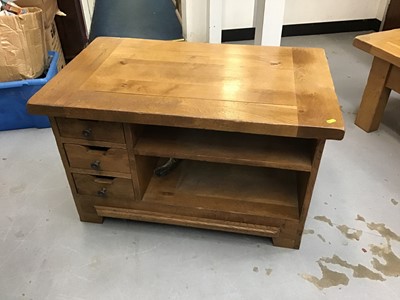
226,147
227,188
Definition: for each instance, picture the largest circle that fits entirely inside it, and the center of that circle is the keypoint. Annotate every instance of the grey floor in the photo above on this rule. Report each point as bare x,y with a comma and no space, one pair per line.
350,249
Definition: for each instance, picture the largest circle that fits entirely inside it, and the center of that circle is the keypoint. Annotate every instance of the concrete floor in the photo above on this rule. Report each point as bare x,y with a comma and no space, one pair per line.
47,253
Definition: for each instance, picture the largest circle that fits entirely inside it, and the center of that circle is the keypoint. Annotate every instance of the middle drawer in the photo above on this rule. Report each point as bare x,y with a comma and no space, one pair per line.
97,158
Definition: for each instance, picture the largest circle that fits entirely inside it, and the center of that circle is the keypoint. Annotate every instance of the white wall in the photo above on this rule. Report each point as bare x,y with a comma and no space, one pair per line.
239,14
313,11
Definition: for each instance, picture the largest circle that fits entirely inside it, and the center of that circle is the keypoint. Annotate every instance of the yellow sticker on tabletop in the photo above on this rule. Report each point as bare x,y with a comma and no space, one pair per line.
330,121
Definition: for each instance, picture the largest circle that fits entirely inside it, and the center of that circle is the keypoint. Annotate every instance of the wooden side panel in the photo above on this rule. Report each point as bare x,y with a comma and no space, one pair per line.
71,28
304,203
86,213
393,81
141,166
291,232
392,18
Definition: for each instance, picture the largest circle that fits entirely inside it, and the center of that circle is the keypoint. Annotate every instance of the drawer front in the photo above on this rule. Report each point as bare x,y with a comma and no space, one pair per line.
103,187
97,158
91,130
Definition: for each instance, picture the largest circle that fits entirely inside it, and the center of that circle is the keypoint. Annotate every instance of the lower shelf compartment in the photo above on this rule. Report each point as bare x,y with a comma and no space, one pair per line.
236,189
138,215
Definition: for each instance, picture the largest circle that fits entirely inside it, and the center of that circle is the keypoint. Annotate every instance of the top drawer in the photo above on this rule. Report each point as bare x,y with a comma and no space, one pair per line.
91,130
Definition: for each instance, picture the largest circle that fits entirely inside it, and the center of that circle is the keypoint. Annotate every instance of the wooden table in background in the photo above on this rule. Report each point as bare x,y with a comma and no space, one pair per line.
248,122
383,77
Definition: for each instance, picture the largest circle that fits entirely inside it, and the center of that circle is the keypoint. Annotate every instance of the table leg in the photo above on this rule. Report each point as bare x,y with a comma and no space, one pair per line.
375,96
289,237
87,212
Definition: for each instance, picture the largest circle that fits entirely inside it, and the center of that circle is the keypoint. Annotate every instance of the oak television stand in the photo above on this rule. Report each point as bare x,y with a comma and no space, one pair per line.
248,124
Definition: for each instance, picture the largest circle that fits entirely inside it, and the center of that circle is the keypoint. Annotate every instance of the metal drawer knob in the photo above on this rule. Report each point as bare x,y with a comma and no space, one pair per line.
102,192
87,132
95,165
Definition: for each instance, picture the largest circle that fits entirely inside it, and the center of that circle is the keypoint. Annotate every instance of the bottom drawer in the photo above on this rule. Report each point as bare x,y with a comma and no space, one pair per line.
103,186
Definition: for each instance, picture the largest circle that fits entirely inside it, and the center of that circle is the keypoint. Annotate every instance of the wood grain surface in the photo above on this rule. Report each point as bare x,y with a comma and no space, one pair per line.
384,44
113,187
254,89
224,225
97,158
230,188
95,131
383,77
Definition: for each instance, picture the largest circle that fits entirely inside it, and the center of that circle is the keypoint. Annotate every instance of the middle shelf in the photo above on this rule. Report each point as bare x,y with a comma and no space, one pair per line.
226,147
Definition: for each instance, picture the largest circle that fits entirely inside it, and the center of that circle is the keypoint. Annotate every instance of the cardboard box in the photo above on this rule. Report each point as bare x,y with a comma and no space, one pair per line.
49,8
23,51
53,43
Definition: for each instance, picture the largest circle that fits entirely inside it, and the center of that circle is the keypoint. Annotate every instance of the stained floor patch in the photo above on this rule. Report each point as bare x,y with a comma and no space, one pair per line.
385,261
383,231
360,218
391,264
351,234
394,201
391,267
268,272
329,278
308,231
359,271
324,219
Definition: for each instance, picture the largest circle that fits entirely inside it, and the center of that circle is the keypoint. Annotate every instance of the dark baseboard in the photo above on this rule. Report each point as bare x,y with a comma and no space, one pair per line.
242,34
331,27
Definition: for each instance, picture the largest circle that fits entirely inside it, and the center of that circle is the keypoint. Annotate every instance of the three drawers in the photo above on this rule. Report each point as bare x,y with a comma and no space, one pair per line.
97,170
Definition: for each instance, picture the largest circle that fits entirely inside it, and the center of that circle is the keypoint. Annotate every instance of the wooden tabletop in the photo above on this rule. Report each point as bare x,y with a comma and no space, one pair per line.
266,90
384,44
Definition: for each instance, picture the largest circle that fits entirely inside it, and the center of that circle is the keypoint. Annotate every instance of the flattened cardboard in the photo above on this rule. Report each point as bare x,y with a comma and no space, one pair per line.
53,43
22,46
49,8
